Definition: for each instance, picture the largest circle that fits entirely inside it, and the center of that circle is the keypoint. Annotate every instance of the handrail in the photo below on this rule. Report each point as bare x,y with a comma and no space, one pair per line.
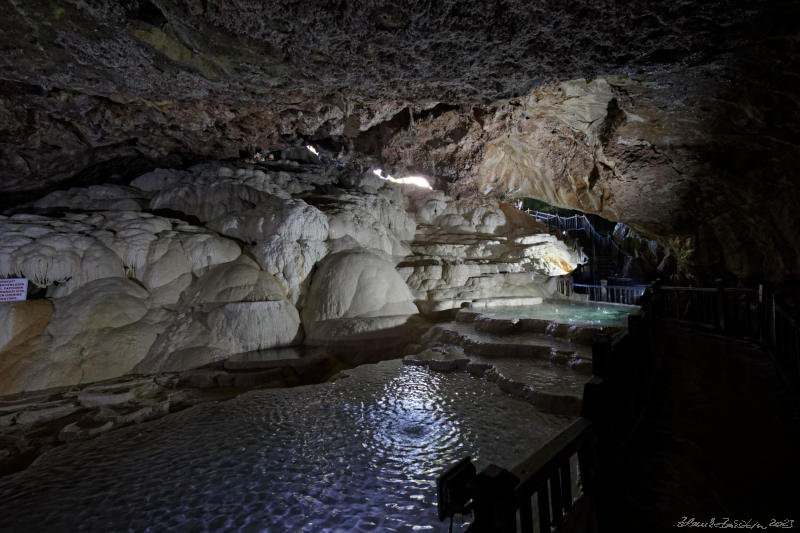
620,294
614,403
688,289
547,473
571,224
739,312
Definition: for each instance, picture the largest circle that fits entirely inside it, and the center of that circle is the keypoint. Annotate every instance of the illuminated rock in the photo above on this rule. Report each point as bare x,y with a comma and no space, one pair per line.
21,326
71,251
244,212
476,249
101,330
291,262
355,285
232,308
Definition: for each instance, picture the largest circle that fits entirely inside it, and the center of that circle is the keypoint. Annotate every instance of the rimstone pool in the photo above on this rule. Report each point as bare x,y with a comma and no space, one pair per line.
358,454
567,312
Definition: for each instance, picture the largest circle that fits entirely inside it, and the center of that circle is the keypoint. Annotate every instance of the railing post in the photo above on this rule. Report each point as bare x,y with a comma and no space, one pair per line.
601,355
719,323
771,320
495,501
603,290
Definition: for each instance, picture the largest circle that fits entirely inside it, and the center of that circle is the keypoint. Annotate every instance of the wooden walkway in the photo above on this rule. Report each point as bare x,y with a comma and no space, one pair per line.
720,439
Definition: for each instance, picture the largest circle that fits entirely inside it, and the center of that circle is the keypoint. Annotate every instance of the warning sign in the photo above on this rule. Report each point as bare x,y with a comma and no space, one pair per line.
13,289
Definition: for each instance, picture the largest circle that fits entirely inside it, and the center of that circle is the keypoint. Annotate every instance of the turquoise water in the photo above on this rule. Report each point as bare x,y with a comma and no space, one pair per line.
359,454
568,312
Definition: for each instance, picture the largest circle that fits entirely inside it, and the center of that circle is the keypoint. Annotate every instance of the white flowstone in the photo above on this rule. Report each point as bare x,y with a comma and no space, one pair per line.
79,248
232,308
244,212
100,331
356,284
21,327
290,262
237,281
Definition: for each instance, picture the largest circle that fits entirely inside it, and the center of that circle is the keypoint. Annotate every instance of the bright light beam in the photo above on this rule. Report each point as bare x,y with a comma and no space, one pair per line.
418,181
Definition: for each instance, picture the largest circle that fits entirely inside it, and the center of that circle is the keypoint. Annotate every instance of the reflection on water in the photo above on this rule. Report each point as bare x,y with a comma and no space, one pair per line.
567,312
359,454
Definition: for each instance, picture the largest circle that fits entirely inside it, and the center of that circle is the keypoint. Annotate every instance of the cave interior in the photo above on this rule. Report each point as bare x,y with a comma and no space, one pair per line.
202,199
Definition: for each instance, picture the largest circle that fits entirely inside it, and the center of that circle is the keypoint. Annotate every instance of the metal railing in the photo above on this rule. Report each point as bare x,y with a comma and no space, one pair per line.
618,294
602,245
783,340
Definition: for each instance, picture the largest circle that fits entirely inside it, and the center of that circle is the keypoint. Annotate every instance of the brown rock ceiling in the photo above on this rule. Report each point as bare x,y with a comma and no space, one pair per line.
687,129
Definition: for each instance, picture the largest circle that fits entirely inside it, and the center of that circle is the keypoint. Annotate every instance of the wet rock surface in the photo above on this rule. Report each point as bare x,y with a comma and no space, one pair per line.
31,423
361,452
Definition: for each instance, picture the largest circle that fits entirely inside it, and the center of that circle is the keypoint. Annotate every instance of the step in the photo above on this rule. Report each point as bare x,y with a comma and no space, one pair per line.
551,385
487,303
519,345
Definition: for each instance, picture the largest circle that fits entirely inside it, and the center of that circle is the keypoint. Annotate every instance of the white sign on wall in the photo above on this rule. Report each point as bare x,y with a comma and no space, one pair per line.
14,289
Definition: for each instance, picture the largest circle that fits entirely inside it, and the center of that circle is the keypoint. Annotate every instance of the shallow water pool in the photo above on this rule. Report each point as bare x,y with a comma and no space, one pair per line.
359,454
567,312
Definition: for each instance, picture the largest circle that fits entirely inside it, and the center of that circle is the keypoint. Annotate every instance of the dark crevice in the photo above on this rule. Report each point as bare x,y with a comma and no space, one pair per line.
118,170
149,13
374,139
615,117
435,111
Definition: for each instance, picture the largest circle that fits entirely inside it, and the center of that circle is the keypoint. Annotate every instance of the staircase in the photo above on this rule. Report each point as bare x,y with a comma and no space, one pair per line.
542,362
606,258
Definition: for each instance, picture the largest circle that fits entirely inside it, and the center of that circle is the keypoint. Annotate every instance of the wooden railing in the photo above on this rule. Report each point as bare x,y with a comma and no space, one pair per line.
735,312
567,481
755,315
783,341
539,490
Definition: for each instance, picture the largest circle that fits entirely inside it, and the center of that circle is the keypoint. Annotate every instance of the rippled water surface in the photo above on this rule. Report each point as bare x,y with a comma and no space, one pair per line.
359,454
580,313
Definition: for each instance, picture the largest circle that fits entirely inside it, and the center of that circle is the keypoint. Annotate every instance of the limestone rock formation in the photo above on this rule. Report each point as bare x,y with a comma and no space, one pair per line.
65,253
666,117
157,289
101,330
21,325
94,198
468,251
354,292
234,307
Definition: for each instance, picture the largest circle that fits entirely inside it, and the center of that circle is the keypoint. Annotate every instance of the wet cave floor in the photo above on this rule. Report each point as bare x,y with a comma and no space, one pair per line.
360,453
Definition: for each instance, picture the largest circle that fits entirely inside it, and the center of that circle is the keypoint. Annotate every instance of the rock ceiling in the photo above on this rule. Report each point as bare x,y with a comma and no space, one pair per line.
677,118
